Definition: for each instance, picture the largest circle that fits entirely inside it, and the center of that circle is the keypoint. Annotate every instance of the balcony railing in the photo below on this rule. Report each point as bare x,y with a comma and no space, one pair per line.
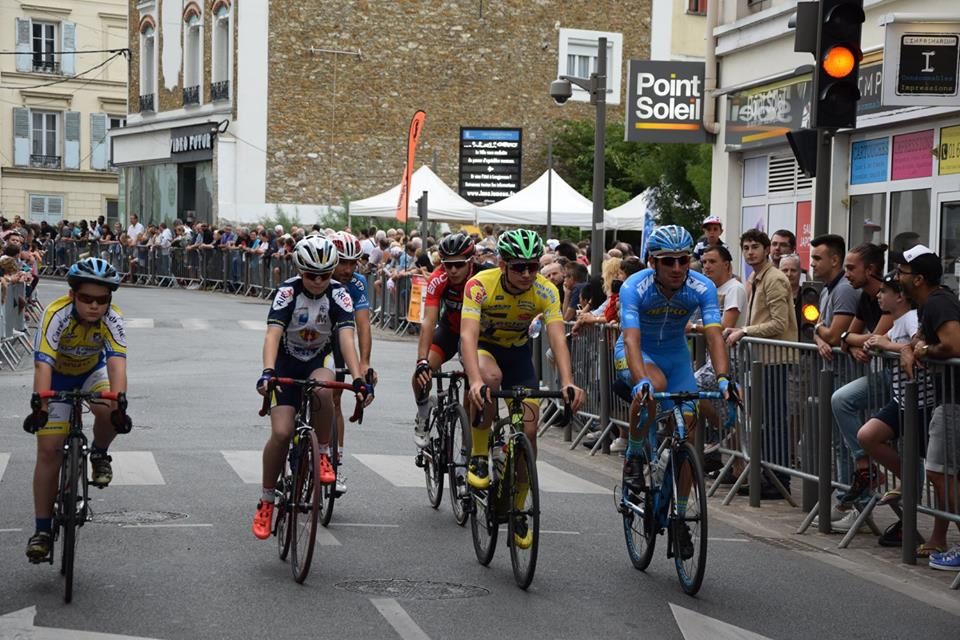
191,95
44,162
220,90
46,66
146,102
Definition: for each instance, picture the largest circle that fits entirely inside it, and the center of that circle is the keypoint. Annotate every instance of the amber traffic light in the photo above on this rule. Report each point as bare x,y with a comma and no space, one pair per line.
838,54
839,62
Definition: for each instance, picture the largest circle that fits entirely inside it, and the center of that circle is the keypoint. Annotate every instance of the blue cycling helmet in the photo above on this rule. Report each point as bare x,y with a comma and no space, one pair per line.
94,271
671,238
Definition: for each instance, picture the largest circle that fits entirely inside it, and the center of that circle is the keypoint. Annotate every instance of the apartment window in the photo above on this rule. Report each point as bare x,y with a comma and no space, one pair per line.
148,64
192,60
698,7
45,143
43,207
578,57
44,47
220,81
117,122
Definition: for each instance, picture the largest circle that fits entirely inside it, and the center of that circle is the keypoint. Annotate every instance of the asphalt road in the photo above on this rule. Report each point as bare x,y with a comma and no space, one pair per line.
194,457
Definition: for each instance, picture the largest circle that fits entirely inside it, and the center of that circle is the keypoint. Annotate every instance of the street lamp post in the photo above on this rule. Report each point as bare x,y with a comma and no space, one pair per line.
596,86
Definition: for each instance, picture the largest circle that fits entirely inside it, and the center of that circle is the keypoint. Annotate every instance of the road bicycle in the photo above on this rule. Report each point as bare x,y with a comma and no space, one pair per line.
650,507
448,445
72,507
302,501
513,474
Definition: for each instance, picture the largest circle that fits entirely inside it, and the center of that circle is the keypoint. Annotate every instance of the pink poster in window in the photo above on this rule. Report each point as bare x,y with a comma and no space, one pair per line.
804,233
912,157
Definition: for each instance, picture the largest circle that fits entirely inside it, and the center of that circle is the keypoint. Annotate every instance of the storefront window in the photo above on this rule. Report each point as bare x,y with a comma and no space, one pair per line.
950,243
909,219
755,177
204,201
867,216
159,193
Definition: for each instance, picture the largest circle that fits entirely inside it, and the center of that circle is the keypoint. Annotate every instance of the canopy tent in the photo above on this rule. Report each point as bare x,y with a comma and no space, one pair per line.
443,203
631,215
529,205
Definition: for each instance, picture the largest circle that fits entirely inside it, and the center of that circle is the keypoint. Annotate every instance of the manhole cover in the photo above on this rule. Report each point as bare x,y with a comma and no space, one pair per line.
413,589
138,517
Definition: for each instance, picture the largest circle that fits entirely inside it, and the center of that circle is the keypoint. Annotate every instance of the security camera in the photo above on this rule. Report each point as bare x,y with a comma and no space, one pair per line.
560,91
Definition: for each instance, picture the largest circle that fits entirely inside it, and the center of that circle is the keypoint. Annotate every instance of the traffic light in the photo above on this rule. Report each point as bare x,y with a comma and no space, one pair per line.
809,309
838,55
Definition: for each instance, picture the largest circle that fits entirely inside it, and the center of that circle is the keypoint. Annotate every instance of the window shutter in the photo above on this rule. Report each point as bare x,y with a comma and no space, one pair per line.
54,207
98,141
24,50
68,36
71,140
38,207
21,136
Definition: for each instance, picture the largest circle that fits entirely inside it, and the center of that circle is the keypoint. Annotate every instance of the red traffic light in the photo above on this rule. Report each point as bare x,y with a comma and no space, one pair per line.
839,61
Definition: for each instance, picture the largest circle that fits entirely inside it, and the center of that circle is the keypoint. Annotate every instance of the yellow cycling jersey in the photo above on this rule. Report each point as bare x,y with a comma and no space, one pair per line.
73,348
505,317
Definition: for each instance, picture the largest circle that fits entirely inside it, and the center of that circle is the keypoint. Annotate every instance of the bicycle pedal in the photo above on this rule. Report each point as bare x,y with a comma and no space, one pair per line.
419,461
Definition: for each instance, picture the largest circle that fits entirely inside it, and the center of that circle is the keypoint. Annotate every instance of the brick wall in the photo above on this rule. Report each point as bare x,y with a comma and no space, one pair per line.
337,125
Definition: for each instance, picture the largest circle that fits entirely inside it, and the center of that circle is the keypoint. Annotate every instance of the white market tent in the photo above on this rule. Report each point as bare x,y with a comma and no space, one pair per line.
443,203
630,216
529,205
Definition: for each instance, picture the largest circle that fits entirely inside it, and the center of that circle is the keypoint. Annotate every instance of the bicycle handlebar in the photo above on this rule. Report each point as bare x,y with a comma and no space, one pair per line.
114,396
309,385
449,375
685,396
523,393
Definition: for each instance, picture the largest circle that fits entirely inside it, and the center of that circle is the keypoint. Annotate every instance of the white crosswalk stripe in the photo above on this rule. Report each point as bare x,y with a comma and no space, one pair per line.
247,464
397,470
4,459
195,324
138,323
135,468
253,325
554,480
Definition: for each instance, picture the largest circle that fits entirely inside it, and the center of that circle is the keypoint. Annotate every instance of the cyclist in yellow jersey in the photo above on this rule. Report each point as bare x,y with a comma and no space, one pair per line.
80,345
498,307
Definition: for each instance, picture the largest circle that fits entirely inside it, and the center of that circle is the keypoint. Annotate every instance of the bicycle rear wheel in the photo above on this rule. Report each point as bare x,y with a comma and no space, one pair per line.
328,492
305,506
524,524
69,493
433,459
639,526
458,447
283,513
690,569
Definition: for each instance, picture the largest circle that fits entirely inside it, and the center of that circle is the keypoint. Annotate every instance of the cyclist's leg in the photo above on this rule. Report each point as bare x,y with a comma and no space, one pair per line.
286,401
335,361
103,431
638,424
478,474
518,370
46,473
323,406
444,346
681,378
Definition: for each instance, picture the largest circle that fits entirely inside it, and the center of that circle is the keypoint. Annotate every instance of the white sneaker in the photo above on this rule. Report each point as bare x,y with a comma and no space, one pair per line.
421,423
341,487
618,446
843,524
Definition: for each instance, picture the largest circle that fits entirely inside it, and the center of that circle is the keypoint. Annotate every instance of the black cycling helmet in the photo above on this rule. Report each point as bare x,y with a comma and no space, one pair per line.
94,271
456,245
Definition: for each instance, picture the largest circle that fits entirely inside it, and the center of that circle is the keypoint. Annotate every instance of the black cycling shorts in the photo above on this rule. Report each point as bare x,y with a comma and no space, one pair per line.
516,364
446,343
289,367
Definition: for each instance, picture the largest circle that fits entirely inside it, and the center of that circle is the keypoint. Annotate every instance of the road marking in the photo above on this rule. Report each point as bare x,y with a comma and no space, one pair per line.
365,524
503,529
10,530
252,325
730,540
325,538
195,324
247,464
4,459
399,619
19,624
696,626
163,525
138,323
554,480
135,468
397,470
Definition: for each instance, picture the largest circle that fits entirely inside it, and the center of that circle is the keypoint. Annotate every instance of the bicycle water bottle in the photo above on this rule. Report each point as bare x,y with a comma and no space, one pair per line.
536,327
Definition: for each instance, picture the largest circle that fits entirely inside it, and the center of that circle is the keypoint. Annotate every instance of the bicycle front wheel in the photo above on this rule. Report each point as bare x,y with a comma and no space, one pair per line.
524,523
433,459
69,495
639,526
458,447
283,514
328,492
689,525
305,506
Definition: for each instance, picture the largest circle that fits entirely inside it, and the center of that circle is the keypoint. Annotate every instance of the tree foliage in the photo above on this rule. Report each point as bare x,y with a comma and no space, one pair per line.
677,174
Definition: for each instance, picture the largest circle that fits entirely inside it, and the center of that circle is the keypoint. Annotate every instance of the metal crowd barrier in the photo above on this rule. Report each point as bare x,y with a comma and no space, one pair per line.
15,342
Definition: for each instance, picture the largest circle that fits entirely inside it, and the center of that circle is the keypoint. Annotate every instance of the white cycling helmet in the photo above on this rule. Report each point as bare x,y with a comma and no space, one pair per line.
315,254
348,247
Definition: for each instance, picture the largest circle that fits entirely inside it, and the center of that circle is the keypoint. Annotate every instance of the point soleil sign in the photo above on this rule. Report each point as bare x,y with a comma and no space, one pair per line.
665,102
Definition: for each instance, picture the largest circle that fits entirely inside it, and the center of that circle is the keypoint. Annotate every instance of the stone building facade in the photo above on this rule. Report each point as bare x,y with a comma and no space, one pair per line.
324,89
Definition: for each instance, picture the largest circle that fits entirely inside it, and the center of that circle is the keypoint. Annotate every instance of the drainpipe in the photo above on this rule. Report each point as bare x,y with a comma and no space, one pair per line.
710,74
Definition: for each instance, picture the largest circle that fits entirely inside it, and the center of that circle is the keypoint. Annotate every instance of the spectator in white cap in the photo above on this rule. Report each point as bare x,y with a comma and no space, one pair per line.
278,229
552,244
712,228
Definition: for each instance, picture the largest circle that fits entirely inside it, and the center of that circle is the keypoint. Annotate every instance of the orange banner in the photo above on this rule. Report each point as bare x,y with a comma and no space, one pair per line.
413,137
418,299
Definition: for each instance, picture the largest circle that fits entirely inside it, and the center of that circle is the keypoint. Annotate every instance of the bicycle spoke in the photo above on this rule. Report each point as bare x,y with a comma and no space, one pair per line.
305,506
689,520
524,522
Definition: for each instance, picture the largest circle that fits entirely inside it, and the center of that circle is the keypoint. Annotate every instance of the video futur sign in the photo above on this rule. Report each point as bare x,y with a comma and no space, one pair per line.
665,101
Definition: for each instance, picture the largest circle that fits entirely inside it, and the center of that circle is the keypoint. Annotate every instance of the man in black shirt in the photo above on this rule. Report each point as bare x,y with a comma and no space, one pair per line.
938,339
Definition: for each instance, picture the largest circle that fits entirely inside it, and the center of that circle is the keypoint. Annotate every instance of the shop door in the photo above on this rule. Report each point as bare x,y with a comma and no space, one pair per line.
949,250
187,191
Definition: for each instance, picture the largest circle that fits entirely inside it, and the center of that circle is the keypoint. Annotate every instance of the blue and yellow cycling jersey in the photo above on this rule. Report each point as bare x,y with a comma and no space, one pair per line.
74,348
662,321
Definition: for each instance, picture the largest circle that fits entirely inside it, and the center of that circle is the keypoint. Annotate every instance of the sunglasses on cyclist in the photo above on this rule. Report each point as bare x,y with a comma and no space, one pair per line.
86,298
669,261
524,267
322,277
455,264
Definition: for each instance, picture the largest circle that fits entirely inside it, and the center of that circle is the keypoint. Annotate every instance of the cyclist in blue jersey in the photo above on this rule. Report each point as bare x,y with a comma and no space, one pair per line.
651,353
348,253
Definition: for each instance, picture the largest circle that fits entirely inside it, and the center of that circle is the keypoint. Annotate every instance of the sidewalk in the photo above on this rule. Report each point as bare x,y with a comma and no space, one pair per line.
775,523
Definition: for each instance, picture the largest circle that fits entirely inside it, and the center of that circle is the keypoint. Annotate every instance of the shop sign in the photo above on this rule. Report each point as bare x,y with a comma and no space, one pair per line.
490,163
192,142
868,161
665,102
912,156
922,64
949,151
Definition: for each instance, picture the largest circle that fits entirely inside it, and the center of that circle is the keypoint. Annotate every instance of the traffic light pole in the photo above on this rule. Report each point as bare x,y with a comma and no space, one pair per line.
821,191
